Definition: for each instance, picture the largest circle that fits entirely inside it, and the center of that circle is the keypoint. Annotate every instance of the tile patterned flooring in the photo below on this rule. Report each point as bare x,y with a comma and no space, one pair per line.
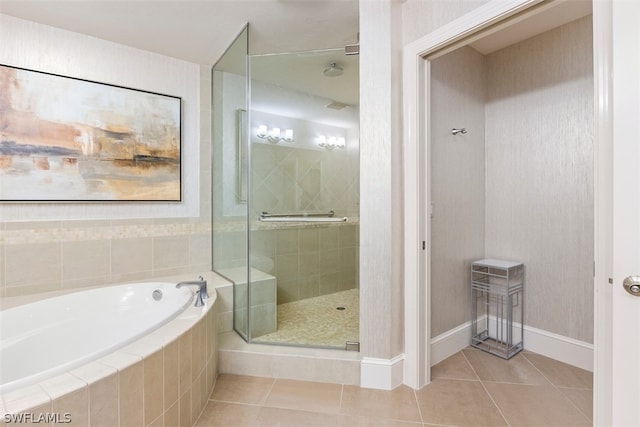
317,321
471,388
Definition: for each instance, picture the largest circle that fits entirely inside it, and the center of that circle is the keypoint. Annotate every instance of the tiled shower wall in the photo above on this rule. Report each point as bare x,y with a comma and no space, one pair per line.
89,245
308,261
301,180
311,259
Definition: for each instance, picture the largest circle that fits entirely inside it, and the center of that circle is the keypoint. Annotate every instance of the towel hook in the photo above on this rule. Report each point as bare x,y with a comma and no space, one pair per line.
456,131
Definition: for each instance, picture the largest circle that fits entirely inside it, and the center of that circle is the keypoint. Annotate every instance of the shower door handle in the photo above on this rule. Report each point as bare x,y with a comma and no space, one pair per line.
632,285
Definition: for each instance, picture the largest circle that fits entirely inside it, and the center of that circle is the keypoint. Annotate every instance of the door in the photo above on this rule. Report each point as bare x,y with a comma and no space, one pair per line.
626,212
230,86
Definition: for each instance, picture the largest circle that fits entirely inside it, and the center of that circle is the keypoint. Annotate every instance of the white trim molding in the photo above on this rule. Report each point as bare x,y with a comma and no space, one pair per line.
558,347
382,374
450,342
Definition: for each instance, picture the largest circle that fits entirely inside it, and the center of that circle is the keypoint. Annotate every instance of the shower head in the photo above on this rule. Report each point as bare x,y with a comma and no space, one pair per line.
333,70
335,105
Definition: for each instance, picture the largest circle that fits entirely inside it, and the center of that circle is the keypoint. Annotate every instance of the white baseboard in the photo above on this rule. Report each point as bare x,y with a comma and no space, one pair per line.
449,343
382,374
558,347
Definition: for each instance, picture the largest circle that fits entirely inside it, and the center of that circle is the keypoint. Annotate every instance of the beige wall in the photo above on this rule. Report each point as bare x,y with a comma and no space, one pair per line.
457,183
540,173
534,100
420,17
58,246
381,315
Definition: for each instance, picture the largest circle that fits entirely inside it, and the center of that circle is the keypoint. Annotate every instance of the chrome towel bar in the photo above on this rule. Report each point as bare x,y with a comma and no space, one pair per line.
301,217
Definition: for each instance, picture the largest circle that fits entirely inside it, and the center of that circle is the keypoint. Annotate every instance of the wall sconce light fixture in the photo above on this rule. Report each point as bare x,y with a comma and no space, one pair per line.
331,142
274,135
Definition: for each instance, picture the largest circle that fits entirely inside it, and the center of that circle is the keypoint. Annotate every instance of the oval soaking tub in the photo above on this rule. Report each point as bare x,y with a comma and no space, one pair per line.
145,346
73,329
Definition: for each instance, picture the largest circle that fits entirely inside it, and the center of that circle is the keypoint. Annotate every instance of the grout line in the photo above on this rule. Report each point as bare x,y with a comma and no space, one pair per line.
341,399
415,396
257,405
266,395
486,390
557,388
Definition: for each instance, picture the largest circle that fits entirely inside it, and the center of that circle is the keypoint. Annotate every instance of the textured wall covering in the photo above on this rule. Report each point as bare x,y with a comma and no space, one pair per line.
80,245
457,182
540,173
380,191
537,205
420,17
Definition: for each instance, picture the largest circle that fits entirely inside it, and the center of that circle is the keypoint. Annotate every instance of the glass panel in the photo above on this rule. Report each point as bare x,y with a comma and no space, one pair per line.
230,237
304,143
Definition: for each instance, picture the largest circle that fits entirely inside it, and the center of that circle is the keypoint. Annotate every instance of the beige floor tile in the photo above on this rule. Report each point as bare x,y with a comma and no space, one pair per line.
583,399
561,374
455,367
493,368
459,403
305,396
535,405
242,389
398,404
225,414
360,421
293,418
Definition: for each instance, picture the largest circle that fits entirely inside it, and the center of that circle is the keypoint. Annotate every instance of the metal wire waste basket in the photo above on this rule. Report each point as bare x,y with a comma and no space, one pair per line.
497,289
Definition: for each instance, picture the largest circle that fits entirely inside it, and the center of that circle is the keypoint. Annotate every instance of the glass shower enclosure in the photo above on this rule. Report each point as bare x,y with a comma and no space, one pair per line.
286,157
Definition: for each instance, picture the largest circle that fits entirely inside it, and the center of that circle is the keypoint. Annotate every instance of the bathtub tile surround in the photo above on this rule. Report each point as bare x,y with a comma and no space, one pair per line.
74,254
164,378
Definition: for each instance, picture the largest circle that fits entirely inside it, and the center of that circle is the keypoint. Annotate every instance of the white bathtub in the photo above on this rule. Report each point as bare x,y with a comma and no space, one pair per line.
52,336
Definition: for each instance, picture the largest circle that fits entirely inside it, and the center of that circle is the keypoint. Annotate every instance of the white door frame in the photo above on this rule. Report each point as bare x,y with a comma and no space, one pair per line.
416,77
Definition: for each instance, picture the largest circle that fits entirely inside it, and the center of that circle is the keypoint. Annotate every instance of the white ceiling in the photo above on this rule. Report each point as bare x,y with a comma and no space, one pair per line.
551,15
303,72
199,31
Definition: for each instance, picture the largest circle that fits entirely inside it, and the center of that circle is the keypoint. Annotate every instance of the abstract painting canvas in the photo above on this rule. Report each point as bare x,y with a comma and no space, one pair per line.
66,139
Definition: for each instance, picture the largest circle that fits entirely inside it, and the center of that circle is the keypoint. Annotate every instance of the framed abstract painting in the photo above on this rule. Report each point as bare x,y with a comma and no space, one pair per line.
66,139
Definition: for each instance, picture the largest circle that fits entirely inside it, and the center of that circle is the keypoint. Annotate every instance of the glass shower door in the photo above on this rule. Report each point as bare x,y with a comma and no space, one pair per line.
303,203
230,175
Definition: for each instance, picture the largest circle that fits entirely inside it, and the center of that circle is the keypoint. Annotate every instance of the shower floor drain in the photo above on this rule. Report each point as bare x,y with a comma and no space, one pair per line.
341,308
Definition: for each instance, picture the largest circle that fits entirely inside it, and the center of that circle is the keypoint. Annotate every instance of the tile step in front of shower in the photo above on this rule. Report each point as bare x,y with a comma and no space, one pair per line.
235,356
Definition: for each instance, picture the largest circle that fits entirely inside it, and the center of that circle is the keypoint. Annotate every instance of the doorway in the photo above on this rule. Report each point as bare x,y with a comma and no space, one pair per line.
420,65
